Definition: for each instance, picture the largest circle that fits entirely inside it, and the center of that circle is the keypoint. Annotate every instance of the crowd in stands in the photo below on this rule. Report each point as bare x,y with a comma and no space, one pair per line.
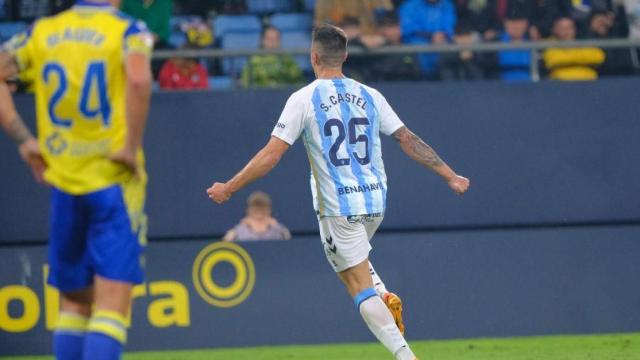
371,24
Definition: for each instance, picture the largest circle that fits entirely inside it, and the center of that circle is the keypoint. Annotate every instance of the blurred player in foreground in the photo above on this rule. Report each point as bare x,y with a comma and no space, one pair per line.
340,121
92,86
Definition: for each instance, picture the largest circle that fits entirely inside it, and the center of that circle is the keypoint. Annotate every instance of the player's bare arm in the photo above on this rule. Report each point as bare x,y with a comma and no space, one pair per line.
260,165
424,154
139,79
12,122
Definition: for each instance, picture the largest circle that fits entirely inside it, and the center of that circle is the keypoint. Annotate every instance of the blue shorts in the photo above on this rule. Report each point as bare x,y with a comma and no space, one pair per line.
94,234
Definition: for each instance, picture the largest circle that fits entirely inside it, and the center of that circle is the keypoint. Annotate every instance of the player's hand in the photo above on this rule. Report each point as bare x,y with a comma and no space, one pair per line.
459,184
219,193
127,158
30,153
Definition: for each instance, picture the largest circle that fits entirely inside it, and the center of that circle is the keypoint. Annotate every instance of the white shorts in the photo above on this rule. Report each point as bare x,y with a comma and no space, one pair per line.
346,238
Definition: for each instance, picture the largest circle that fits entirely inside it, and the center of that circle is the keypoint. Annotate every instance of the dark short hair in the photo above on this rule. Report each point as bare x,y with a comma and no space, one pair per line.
387,18
267,28
331,44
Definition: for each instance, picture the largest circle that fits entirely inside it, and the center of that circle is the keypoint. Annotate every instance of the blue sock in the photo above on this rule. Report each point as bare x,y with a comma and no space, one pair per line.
99,346
106,336
69,335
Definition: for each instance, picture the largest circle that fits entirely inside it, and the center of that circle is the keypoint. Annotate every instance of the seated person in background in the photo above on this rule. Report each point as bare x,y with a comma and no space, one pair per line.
464,65
571,64
271,70
393,67
427,22
183,74
336,11
602,25
515,65
358,68
258,224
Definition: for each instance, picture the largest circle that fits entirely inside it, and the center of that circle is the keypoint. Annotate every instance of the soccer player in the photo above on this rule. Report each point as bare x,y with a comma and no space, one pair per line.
92,77
340,120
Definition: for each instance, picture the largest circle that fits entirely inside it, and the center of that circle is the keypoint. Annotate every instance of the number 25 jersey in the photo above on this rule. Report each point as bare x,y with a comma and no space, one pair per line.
340,121
76,62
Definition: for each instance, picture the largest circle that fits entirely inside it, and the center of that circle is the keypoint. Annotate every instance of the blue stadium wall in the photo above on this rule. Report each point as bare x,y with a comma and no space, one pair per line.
547,241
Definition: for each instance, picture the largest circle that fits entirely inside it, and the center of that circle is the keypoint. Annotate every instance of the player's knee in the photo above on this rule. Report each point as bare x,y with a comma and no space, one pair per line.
112,295
76,303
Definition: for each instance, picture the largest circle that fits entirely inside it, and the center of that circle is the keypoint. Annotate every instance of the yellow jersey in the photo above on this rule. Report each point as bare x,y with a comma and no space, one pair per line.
76,62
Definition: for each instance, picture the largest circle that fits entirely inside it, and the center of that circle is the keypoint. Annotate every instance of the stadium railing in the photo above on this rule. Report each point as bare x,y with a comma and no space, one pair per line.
534,47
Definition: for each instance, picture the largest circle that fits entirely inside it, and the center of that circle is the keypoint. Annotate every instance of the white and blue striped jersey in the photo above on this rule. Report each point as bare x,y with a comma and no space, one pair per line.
340,121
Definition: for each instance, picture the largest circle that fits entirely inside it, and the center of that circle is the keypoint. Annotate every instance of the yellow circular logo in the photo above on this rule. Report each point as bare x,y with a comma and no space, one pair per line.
204,282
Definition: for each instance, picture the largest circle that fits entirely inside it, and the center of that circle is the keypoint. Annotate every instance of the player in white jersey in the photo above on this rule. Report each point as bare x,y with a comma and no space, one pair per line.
340,121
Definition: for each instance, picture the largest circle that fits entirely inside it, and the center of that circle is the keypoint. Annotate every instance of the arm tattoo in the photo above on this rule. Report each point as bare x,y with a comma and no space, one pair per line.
416,148
18,131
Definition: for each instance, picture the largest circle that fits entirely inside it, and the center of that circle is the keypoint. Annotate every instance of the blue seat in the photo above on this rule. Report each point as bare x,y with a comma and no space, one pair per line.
221,82
269,6
8,29
292,22
310,5
298,40
233,66
177,39
224,24
2,10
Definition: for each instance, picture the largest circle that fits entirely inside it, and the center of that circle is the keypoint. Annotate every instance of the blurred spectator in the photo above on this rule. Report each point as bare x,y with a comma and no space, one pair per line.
393,67
427,22
335,12
617,61
485,16
543,14
632,12
356,67
156,14
515,65
271,70
198,33
258,224
464,65
571,64
183,74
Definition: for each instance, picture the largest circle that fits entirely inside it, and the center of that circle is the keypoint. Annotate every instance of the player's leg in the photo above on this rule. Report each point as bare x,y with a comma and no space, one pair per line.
107,332
347,247
373,310
116,259
70,272
393,301
71,327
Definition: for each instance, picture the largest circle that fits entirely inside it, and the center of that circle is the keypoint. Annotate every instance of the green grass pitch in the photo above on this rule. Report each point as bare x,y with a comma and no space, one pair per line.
590,347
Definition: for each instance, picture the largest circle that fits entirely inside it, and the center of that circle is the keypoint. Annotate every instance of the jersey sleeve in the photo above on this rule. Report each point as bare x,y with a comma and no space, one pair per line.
20,46
138,39
389,120
291,122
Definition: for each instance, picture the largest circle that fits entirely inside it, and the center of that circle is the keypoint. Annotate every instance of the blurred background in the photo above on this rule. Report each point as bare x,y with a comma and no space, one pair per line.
535,101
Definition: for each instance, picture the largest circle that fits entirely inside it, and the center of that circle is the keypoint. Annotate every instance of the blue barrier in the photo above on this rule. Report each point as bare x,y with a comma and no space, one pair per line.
535,153
454,285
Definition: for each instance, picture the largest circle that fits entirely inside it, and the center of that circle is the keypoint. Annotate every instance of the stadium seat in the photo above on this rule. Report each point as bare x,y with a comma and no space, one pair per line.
298,40
8,29
268,6
292,22
310,5
233,66
224,24
221,82
2,10
177,38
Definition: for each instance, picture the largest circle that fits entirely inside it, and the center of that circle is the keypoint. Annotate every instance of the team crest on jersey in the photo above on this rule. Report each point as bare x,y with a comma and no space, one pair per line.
56,144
